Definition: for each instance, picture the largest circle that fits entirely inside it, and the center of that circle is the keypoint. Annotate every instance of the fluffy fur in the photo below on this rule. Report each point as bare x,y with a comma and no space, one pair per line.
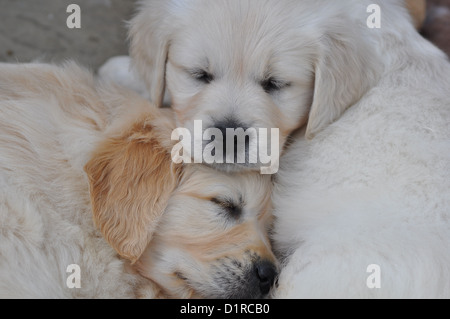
374,186
198,53
367,178
86,178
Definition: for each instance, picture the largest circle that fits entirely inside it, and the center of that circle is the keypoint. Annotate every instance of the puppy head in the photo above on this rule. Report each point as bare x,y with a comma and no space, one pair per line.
213,238
192,231
255,64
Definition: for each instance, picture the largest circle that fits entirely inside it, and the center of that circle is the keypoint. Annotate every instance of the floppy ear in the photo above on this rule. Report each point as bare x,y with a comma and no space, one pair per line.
345,69
131,179
149,34
418,11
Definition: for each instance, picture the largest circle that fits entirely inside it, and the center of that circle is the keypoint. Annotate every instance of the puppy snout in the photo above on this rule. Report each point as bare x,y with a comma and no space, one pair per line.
248,281
266,272
235,140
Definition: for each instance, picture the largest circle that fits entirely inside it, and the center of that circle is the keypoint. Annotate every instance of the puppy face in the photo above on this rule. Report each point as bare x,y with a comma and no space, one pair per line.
212,240
252,63
250,79
193,231
235,65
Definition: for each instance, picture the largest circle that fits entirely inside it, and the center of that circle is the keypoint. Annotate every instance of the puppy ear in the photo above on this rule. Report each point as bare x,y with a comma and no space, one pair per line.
131,178
346,68
418,11
149,34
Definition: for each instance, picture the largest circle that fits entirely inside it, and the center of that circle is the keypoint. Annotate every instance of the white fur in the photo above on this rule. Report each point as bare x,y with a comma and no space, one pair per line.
374,186
367,179
117,70
76,153
45,216
240,45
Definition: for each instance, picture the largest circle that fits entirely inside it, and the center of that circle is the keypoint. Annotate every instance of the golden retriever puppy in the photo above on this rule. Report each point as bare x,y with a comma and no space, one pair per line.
362,195
249,64
91,201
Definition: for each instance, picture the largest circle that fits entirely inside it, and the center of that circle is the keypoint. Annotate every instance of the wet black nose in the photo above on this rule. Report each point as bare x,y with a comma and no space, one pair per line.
230,123
266,273
236,145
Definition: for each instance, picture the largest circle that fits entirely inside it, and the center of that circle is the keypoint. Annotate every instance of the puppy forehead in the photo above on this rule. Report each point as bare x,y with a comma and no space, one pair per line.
250,38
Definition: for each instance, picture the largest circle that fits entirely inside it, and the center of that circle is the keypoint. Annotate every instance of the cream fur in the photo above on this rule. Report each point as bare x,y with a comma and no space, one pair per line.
77,154
242,44
374,186
366,180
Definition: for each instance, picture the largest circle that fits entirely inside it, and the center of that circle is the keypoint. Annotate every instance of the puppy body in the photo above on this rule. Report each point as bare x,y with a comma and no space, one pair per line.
51,120
87,179
366,180
373,187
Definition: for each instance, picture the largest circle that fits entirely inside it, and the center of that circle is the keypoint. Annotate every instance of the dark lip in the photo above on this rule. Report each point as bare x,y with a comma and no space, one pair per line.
236,293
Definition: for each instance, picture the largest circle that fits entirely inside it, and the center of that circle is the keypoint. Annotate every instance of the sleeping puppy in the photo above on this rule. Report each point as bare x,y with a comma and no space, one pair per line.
362,198
363,208
229,64
87,182
248,64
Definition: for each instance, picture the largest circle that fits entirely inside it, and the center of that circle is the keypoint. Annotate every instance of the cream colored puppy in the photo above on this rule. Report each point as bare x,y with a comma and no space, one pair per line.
362,198
230,64
363,208
77,155
251,63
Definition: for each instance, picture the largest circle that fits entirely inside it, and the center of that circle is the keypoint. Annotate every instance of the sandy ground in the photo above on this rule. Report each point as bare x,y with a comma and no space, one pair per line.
37,30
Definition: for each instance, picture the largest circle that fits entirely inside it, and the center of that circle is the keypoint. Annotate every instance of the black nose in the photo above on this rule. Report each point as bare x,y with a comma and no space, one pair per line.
240,142
266,273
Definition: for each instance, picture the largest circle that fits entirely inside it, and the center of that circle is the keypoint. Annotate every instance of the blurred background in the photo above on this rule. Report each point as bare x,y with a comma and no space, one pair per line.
437,24
36,30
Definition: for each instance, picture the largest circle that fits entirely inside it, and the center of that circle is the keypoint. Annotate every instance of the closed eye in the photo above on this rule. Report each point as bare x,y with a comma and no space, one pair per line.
229,207
272,85
201,75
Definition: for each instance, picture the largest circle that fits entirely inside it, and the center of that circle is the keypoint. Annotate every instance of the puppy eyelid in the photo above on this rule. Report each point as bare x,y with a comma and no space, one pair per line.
273,84
201,75
228,206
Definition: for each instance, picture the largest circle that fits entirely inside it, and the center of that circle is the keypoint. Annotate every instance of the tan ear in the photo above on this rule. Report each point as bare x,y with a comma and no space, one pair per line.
418,11
149,34
131,179
346,68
